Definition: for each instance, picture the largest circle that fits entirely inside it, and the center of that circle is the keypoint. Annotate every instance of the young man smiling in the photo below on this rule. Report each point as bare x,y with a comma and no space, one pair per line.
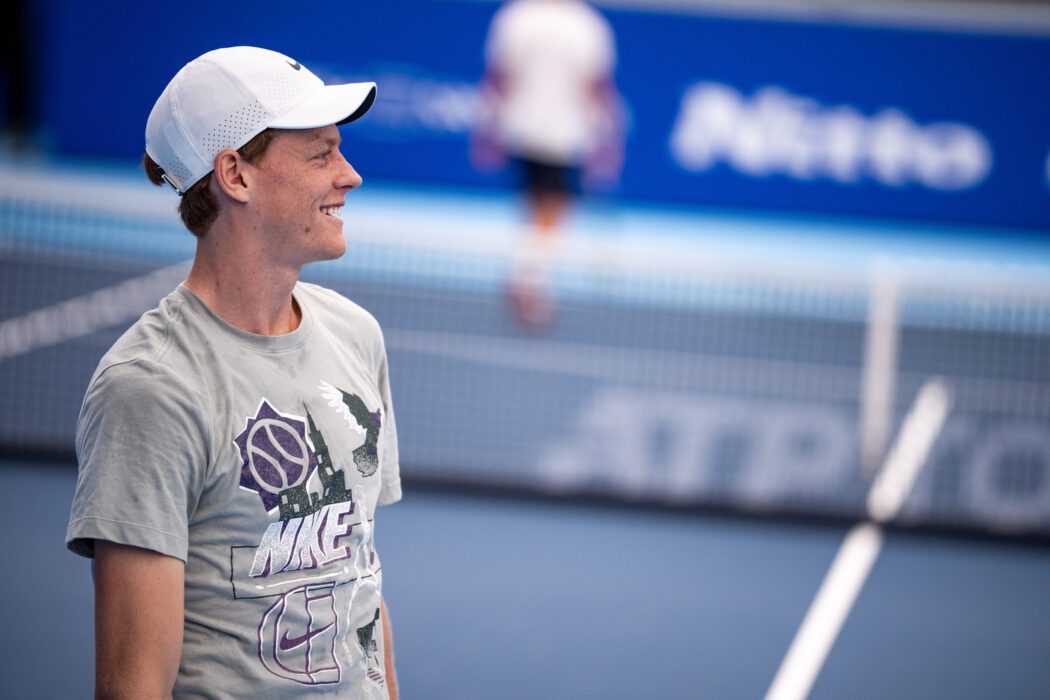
235,442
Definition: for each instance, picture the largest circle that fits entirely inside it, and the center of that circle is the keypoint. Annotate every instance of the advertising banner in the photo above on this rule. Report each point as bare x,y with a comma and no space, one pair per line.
741,113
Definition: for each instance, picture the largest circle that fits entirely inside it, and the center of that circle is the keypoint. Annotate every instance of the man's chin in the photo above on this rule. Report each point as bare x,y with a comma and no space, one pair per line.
334,253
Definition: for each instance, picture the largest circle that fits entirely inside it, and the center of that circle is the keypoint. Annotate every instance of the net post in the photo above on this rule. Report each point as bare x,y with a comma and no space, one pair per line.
879,377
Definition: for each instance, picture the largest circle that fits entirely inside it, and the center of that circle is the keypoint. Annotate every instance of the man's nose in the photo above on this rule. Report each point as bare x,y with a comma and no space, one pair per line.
348,178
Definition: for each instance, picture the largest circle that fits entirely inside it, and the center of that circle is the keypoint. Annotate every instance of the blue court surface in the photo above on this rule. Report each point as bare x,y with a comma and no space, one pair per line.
499,598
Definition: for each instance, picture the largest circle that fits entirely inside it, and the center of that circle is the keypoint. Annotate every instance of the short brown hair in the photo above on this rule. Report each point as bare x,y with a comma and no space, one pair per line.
198,207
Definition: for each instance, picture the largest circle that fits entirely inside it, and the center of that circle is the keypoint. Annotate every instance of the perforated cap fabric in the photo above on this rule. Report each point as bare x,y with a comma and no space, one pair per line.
227,96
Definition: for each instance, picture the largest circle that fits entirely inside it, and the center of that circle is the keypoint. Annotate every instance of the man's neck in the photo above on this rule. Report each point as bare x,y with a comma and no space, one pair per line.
243,288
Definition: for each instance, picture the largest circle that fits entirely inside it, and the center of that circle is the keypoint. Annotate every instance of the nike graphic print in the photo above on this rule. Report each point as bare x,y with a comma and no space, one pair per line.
295,65
287,644
299,633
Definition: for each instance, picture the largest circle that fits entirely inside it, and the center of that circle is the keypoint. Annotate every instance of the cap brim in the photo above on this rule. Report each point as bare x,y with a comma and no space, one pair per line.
332,104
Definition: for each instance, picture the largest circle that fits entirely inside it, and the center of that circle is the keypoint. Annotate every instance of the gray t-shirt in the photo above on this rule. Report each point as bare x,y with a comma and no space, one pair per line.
259,461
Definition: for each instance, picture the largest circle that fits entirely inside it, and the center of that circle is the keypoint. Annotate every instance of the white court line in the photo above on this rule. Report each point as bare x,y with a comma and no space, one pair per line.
905,460
83,315
853,563
827,613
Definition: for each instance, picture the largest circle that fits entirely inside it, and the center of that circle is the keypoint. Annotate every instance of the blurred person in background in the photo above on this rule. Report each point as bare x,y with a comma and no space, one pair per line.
549,104
18,121
234,444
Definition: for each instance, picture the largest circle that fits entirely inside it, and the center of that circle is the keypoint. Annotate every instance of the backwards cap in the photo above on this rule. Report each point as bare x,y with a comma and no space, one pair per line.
226,97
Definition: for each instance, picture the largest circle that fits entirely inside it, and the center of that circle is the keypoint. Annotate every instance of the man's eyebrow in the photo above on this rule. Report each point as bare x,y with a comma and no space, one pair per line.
325,146
322,146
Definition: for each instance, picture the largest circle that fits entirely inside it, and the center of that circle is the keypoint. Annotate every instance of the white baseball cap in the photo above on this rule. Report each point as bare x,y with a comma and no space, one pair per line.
226,97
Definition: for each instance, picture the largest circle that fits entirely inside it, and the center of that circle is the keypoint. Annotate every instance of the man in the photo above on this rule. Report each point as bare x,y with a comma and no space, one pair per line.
235,442
549,101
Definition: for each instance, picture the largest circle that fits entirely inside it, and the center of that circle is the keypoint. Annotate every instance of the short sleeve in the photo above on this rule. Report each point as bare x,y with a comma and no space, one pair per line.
142,456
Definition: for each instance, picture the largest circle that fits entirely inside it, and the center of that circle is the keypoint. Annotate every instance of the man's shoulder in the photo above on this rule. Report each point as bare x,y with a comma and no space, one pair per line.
146,345
137,378
330,304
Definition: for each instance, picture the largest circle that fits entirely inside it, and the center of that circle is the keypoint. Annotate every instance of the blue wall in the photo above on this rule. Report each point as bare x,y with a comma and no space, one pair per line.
726,112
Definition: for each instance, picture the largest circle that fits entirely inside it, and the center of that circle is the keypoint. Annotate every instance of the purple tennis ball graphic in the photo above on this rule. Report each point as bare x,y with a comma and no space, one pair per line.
277,455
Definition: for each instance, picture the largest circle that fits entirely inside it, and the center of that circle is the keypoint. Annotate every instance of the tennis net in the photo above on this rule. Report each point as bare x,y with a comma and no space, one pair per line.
692,361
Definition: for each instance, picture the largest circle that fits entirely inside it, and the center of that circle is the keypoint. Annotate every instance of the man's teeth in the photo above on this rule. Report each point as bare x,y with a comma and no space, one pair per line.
332,211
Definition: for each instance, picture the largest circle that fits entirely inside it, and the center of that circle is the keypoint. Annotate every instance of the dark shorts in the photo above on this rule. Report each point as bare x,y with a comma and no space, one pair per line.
537,176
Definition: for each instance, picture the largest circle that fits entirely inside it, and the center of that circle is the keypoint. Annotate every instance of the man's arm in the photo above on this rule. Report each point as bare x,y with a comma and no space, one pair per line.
138,622
605,161
487,150
388,654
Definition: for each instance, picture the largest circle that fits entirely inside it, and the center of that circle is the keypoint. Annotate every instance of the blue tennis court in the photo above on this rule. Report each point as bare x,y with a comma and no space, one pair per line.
496,597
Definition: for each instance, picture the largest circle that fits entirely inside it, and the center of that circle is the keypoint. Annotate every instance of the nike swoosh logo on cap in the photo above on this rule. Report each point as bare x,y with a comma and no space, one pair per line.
295,65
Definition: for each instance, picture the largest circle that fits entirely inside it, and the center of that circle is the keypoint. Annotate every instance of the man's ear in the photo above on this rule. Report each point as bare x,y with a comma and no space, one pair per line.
231,174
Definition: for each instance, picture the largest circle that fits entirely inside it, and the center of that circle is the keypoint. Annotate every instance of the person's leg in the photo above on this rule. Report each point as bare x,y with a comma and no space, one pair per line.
549,194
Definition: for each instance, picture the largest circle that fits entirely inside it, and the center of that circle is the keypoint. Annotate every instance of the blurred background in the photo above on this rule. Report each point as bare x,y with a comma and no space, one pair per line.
822,206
